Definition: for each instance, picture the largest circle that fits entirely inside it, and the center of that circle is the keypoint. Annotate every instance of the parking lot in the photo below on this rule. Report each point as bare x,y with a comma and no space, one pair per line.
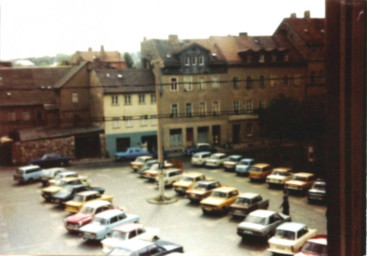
31,226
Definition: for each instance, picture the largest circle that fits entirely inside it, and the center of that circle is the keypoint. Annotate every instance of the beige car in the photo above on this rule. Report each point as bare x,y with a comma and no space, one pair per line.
220,199
82,198
279,176
139,162
259,171
301,181
187,181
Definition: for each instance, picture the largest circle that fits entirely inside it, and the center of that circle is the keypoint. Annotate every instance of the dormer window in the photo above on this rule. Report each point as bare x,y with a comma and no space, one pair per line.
187,61
201,61
194,61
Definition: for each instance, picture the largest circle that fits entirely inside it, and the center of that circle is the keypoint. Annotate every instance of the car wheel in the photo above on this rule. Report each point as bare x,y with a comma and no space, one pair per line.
204,211
155,238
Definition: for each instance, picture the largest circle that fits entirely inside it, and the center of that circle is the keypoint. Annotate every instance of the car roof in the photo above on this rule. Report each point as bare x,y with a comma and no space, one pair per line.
236,156
144,157
262,213
202,153
109,213
130,245
28,167
291,226
68,172
319,239
261,165
218,154
304,174
89,192
70,178
248,195
206,181
192,174
97,203
247,159
202,143
75,185
128,227
284,169
225,189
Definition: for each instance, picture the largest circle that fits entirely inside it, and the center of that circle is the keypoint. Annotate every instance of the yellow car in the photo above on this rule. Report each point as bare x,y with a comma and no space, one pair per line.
301,181
187,181
139,162
259,171
82,198
220,199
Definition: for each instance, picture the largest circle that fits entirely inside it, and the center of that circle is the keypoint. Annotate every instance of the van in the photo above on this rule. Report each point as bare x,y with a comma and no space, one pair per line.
260,171
28,173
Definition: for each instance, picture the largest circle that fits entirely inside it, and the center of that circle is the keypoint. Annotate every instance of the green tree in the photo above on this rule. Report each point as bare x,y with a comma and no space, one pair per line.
129,60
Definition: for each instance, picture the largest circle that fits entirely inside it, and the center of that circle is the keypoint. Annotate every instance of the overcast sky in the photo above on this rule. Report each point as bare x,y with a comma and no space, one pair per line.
35,28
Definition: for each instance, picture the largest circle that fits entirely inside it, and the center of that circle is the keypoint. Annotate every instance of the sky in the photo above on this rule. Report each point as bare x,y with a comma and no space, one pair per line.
37,28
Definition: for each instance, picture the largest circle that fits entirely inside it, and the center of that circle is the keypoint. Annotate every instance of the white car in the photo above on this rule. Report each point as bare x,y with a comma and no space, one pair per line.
279,176
198,159
216,160
289,238
232,161
126,232
171,175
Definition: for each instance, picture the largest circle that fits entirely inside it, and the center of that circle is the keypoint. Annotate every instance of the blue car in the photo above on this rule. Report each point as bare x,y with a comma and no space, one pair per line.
243,166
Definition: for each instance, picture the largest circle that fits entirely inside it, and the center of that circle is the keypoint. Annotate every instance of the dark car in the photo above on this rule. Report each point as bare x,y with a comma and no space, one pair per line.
51,160
199,147
68,192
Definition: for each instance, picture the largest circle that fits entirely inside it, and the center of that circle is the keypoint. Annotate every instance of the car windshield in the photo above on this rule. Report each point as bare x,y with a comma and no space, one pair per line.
233,158
99,221
60,182
214,157
78,198
119,235
314,248
139,160
187,178
87,210
255,169
243,200
255,219
200,185
300,178
286,234
66,190
245,162
219,194
280,172
321,186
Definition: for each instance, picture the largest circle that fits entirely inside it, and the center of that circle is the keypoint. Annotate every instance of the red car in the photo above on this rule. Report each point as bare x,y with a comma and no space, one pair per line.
315,246
74,222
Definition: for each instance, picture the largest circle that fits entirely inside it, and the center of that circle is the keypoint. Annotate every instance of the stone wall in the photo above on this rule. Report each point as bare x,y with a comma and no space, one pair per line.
24,151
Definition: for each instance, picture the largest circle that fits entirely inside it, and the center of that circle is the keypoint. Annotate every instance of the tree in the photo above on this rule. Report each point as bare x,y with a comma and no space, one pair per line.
129,60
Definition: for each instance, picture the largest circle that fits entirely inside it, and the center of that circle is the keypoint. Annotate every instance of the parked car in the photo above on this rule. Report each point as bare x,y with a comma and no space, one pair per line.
50,173
141,247
68,192
199,147
139,162
61,175
301,182
246,203
153,171
317,192
76,204
199,158
230,164
170,176
244,166
51,160
315,246
259,171
261,223
47,192
279,176
126,232
216,160
74,222
131,153
186,182
29,173
202,189
289,238
220,199
103,223
147,165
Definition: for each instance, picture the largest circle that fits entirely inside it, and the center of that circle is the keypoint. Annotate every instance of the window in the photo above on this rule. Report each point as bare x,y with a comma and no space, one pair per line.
74,97
143,120
201,61
188,109
187,61
216,108
174,85
26,116
273,58
153,98
248,58
297,79
285,80
262,82
12,116
249,106
202,84
128,121
262,104
236,107
154,120
202,109
194,61
273,80
188,83
215,82
249,129
175,137
235,83
286,57
174,110
141,98
127,100
115,123
262,58
248,82
114,100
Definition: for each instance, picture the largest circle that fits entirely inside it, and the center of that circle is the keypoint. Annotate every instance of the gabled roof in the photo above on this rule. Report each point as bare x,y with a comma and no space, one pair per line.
126,80
310,29
102,55
72,72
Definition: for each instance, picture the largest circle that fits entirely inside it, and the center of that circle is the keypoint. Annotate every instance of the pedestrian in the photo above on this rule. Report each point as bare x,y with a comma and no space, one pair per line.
285,203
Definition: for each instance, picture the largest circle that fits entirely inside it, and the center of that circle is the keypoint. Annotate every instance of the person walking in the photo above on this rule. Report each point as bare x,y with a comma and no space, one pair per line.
285,203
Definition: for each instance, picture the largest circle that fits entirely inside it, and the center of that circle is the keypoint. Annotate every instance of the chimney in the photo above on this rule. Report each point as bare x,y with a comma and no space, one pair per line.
293,15
90,49
307,15
243,34
173,38
103,53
